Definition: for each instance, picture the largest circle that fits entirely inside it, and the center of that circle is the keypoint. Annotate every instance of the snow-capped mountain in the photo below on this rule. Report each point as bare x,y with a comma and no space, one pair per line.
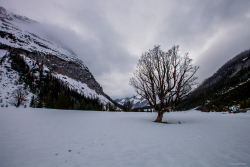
137,101
14,17
15,35
34,49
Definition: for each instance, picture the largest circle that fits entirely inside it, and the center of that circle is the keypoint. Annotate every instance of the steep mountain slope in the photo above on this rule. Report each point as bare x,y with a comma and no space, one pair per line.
227,71
58,61
15,34
137,101
227,87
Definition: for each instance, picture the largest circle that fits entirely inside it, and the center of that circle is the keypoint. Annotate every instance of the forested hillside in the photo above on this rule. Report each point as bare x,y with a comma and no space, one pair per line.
227,87
48,90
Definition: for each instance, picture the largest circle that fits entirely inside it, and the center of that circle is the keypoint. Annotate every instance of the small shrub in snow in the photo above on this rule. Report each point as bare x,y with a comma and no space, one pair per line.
19,97
32,102
39,104
15,83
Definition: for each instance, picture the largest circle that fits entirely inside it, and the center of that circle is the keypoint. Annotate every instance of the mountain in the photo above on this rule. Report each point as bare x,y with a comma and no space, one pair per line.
8,16
229,86
39,52
230,69
137,101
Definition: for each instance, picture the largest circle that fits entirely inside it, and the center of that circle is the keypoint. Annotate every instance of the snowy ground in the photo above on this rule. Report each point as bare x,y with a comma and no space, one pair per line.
43,137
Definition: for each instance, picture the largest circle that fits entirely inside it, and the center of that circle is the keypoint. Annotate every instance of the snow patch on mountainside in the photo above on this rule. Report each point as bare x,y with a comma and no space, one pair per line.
2,53
14,17
9,81
137,101
81,88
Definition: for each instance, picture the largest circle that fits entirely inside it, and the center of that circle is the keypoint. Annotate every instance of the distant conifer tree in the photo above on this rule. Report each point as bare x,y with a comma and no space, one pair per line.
82,105
39,104
90,106
62,101
32,102
48,101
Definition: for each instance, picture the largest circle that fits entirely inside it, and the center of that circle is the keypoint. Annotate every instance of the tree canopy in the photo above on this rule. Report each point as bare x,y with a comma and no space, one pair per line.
164,78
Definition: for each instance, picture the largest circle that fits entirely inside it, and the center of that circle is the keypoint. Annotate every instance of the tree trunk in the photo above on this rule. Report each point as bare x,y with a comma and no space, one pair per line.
18,103
159,117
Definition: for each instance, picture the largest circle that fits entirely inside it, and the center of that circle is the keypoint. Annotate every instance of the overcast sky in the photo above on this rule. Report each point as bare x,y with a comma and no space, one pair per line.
109,36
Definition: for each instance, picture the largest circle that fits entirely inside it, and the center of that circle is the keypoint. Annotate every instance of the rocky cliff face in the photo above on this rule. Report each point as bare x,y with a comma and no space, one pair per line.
58,59
60,66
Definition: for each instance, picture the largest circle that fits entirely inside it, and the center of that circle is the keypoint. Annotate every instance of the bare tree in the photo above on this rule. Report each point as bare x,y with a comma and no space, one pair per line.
19,96
164,78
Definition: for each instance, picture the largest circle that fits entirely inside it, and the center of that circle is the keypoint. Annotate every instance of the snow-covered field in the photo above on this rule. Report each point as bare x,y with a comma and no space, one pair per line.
49,138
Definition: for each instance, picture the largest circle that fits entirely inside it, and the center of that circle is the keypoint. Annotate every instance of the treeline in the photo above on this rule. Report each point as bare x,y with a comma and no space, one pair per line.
127,106
238,96
52,92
